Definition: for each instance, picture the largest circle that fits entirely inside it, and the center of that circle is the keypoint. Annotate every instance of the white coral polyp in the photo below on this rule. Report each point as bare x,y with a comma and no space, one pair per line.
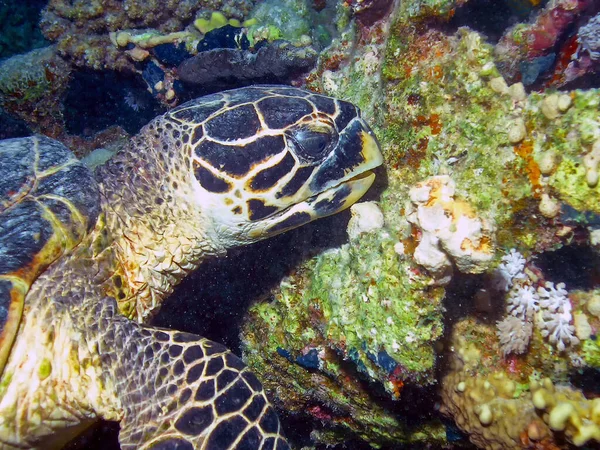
558,330
554,298
513,262
511,269
523,302
514,334
556,317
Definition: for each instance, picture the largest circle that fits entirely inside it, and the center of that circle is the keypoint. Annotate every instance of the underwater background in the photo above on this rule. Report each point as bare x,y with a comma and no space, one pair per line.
458,305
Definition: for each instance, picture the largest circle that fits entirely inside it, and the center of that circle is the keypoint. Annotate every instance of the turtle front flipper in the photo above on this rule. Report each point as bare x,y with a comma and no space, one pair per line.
49,201
181,391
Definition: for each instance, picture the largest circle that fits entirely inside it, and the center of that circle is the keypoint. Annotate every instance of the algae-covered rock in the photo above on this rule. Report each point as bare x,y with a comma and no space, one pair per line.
31,87
276,19
344,318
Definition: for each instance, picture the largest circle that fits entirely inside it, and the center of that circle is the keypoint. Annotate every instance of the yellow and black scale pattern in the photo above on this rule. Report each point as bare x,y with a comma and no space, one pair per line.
269,142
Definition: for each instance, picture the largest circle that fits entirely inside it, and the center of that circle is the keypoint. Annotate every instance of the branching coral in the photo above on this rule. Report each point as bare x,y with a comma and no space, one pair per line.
522,304
556,318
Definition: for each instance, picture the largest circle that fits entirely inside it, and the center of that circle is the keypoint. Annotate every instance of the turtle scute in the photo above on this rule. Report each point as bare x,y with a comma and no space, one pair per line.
48,202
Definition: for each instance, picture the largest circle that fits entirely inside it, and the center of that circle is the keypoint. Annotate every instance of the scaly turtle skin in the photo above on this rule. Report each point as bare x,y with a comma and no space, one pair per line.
86,259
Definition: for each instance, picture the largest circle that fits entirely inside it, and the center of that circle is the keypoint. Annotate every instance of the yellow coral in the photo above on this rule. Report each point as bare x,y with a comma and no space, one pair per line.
218,20
566,410
502,412
491,408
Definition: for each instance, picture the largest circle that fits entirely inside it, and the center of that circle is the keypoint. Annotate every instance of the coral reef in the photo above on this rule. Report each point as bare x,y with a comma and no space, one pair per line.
346,317
528,49
521,167
284,19
524,301
588,38
492,405
81,29
365,217
33,88
510,403
444,281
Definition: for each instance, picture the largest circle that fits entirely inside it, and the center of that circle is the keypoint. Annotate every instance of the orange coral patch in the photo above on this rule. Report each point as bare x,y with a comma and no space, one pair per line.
532,170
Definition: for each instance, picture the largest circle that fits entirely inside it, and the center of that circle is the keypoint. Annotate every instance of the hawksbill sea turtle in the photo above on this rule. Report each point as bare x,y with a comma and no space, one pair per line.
87,258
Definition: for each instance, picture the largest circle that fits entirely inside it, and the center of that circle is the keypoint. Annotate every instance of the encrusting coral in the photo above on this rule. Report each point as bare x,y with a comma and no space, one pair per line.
508,409
566,410
493,406
451,231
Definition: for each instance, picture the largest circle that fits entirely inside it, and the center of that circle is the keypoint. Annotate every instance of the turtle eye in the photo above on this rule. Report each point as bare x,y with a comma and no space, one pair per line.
312,142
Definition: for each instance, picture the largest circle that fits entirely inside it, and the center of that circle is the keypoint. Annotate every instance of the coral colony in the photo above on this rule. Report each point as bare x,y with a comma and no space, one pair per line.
522,304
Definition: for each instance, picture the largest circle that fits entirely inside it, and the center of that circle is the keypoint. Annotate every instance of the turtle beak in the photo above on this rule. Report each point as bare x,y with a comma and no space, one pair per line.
357,152
340,181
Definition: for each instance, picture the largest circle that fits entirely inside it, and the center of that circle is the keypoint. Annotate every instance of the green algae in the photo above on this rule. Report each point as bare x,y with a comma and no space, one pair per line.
5,382
590,352
45,369
289,20
367,304
340,398
570,183
570,135
422,9
447,120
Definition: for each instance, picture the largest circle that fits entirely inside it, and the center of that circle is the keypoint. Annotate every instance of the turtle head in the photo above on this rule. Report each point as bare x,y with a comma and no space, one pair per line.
268,159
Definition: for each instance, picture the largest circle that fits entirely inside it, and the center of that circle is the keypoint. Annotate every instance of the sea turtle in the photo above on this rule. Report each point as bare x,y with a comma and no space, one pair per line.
86,258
